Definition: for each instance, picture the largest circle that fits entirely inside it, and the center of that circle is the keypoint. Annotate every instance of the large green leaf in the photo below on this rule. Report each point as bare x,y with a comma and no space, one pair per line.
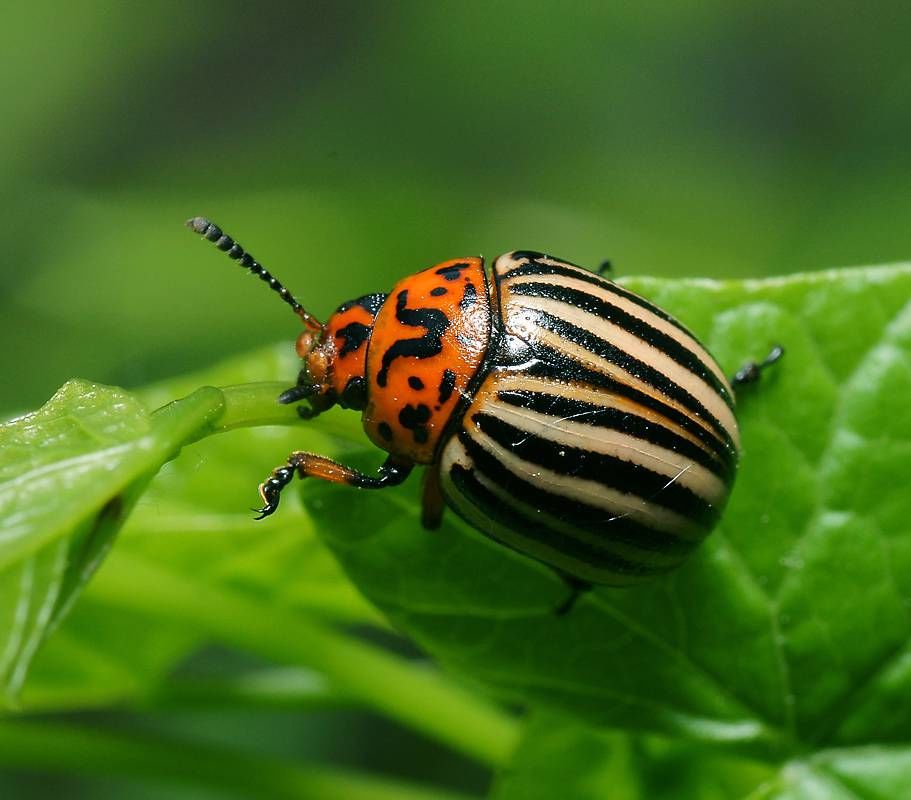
789,630
785,637
558,757
193,567
194,518
68,475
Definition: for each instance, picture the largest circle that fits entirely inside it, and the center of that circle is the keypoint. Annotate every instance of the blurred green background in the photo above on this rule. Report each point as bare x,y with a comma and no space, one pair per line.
348,144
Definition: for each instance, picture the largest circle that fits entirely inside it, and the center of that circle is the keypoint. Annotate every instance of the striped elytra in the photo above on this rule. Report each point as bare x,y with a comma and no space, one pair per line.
555,411
601,439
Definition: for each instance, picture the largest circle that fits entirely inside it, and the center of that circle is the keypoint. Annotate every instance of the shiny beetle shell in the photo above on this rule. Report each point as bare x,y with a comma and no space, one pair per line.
601,438
556,412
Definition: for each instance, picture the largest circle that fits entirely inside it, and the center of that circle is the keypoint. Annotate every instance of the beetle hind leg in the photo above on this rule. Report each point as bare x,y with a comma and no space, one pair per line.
752,371
392,472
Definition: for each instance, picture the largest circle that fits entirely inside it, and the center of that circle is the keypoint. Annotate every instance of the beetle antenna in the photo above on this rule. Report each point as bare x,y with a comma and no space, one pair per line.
222,241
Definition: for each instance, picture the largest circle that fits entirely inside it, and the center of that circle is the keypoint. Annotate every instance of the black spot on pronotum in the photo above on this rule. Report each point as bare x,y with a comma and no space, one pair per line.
447,384
353,337
415,383
385,431
430,344
439,291
469,298
415,419
452,272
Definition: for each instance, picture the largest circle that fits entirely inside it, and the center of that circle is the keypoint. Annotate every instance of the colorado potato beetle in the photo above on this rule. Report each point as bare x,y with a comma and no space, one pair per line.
555,411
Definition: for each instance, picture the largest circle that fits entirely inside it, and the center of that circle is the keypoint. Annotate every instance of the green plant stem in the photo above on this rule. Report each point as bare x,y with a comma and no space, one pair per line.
63,748
416,697
254,404
251,405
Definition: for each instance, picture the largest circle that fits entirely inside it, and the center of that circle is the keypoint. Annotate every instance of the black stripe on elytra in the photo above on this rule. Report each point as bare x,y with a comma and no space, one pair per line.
353,336
369,302
638,327
610,471
540,361
599,522
452,272
514,518
573,271
562,407
531,255
634,366
430,344
447,384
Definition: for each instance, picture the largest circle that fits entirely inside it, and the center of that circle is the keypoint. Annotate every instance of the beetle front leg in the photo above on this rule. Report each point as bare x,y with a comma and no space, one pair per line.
309,465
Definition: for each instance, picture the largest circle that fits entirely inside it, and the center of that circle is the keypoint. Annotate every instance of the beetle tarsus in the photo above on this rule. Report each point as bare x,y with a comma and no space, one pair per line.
606,268
577,588
270,489
752,371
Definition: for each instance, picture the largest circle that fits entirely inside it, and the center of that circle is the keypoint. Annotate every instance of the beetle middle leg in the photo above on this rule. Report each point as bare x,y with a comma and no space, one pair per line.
432,503
752,371
577,588
309,465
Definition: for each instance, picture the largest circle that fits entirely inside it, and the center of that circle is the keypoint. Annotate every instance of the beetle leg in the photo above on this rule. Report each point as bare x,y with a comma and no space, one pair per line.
309,465
606,268
576,589
301,390
751,371
432,504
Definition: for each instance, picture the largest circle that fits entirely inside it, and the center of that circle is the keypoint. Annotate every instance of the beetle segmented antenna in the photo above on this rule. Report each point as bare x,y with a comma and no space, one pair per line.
222,241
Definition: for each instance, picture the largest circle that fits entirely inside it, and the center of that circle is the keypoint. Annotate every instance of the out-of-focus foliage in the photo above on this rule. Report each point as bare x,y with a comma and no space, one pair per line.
362,140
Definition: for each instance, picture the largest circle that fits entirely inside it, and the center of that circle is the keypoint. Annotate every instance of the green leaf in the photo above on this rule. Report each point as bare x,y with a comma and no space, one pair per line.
558,757
785,637
192,566
69,473
789,630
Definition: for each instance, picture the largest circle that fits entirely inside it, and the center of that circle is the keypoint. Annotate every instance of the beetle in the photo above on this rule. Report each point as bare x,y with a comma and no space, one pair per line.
555,411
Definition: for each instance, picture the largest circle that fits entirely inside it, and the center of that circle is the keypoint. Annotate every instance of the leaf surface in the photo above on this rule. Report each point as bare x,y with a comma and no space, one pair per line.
69,473
790,627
